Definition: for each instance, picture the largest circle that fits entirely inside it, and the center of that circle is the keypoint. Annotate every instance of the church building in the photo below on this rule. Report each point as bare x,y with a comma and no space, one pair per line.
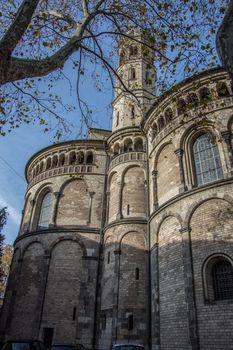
126,235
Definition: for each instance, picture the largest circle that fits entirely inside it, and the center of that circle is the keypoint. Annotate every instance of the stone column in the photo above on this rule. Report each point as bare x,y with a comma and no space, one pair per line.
32,203
54,209
179,152
155,189
90,206
107,206
41,297
14,279
119,213
226,135
116,295
155,319
189,288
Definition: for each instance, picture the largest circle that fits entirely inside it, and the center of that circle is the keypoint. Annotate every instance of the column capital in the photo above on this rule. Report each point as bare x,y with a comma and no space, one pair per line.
179,152
185,229
154,173
226,135
32,202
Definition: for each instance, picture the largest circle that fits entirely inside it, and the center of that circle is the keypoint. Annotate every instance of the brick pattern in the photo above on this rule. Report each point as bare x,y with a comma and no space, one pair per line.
211,232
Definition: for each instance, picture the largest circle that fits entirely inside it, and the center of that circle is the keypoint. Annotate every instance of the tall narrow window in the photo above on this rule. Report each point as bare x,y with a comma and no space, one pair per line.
137,273
132,112
207,160
108,257
74,313
128,209
130,322
222,274
117,118
45,210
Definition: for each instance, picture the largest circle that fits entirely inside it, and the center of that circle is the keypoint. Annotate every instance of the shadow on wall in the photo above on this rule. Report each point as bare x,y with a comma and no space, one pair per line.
65,300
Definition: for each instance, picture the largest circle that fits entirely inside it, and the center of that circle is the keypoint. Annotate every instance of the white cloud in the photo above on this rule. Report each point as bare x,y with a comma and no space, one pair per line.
14,215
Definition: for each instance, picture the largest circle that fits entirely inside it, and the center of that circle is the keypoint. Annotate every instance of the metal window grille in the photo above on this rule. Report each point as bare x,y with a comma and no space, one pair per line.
222,273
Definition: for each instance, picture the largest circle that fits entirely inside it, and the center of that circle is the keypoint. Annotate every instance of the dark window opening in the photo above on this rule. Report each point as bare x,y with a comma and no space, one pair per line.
222,89
80,158
108,257
62,160
161,123
130,322
205,94
104,319
48,164
128,209
72,158
137,273
48,337
74,313
181,106
89,159
132,112
222,274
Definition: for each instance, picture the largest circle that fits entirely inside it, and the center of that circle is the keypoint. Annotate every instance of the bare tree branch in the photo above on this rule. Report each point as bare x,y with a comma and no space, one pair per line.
18,27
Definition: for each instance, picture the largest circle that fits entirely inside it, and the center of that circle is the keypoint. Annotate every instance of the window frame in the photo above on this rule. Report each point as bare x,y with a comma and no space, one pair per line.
39,226
194,164
207,278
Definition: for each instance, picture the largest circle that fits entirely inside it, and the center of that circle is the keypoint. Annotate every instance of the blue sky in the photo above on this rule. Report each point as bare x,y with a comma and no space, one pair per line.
18,146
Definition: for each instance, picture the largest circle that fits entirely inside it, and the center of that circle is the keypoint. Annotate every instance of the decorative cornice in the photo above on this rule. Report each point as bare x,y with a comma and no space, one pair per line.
59,229
188,193
130,221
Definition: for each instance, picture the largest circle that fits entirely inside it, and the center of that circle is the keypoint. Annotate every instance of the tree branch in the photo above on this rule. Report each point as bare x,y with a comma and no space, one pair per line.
18,27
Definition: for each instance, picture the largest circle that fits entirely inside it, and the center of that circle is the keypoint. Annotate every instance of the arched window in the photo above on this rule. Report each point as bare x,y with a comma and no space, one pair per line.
168,115
41,166
89,157
222,274
132,74
72,158
207,160
181,105
205,94
116,149
45,210
222,89
80,158
148,80
161,123
192,100
37,169
122,57
48,163
128,145
55,161
138,145
62,160
154,131
132,112
218,278
133,50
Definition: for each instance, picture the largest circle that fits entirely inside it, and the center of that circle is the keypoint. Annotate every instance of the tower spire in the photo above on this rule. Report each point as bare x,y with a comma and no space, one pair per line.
135,88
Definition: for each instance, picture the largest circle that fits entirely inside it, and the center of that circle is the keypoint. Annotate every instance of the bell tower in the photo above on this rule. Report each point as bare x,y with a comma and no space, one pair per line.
135,87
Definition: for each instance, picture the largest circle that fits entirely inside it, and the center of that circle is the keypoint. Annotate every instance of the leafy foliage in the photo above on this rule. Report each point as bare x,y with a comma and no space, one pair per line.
7,253
3,219
39,36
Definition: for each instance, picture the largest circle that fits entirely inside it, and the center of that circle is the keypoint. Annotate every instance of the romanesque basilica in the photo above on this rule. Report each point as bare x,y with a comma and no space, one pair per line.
126,235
